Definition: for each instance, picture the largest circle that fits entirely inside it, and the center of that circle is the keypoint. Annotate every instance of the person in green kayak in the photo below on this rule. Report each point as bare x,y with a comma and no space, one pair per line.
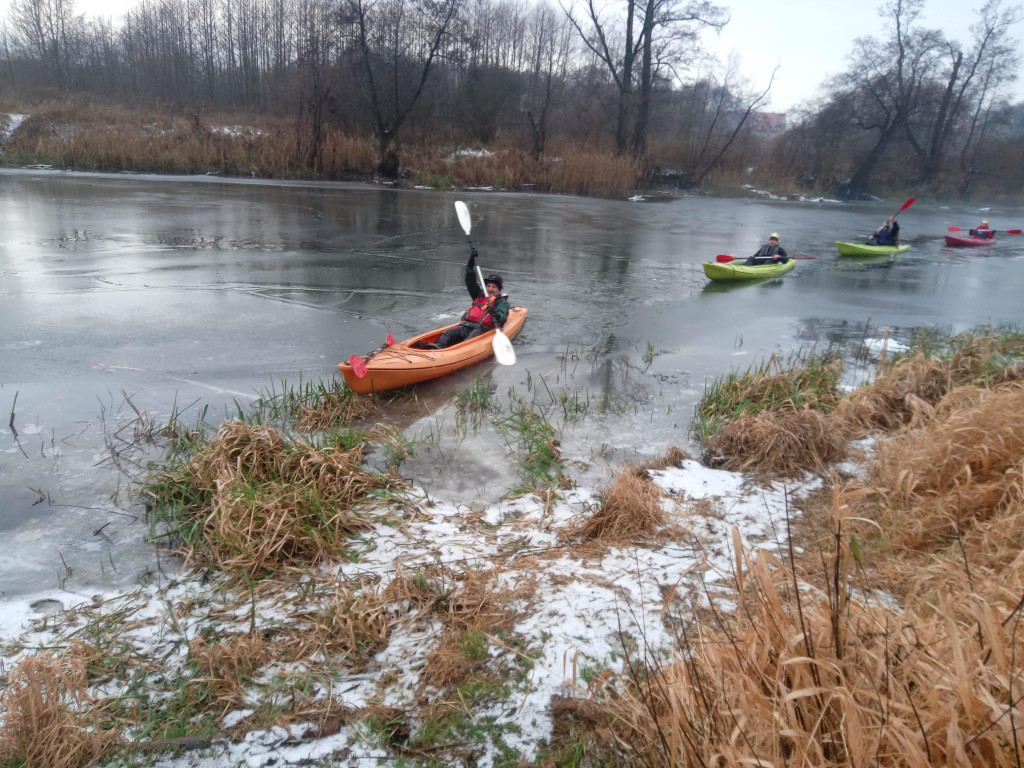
772,253
983,230
487,311
889,234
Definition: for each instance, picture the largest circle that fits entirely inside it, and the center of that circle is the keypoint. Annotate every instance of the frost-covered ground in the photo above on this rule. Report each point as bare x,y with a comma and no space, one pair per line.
9,124
576,605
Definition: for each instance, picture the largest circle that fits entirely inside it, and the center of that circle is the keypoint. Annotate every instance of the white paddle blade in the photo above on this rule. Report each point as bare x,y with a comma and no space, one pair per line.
462,210
504,353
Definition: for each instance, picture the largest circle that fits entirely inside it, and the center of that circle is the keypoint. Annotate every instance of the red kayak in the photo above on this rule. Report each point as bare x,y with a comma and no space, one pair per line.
965,241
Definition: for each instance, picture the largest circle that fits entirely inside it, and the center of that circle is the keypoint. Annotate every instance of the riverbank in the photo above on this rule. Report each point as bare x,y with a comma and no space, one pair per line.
90,136
854,602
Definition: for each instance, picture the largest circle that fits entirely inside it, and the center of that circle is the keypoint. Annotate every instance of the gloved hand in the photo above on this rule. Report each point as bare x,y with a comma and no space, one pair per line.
472,256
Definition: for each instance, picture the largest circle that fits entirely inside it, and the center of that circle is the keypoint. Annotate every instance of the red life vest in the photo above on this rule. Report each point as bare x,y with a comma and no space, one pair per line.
480,312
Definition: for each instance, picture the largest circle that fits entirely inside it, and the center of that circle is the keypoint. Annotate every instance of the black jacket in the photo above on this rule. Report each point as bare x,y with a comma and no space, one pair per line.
766,255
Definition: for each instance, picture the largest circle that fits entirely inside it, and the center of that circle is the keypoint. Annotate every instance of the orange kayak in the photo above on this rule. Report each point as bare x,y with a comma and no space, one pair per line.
401,365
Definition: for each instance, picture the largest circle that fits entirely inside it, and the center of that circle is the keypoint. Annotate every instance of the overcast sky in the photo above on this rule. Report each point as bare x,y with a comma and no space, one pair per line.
808,38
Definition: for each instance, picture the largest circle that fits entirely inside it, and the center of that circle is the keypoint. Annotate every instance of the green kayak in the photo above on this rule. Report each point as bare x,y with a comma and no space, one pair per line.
859,249
737,270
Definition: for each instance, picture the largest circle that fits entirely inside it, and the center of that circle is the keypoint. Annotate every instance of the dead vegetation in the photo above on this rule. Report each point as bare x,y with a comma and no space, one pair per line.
472,606
807,669
630,509
47,716
785,445
347,628
253,501
802,673
227,665
786,421
673,457
336,407
957,471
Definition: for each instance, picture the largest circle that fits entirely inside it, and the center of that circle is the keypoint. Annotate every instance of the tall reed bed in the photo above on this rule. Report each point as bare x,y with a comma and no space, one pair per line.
92,135
786,418
797,664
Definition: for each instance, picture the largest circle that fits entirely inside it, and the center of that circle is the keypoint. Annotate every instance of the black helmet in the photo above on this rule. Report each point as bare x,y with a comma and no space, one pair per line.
496,279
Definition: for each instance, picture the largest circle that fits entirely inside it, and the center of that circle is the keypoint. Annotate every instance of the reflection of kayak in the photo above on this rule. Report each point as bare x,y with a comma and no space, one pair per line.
734,271
860,249
963,241
400,365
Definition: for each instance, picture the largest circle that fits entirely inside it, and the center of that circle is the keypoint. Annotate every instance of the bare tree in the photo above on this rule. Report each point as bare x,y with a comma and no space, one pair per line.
649,24
47,28
550,50
885,81
968,82
399,41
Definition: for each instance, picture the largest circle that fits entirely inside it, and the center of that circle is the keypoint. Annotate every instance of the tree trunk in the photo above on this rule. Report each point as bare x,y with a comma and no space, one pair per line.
626,85
644,107
858,183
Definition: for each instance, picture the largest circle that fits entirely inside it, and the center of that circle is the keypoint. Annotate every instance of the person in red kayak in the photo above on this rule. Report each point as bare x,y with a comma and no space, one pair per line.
772,253
487,311
983,230
889,234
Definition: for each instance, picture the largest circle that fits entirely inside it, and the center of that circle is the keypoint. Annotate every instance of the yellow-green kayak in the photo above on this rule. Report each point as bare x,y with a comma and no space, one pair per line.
860,249
737,270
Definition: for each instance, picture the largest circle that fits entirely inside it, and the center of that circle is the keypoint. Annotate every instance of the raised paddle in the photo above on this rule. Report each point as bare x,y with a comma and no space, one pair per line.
907,204
1005,231
504,353
725,259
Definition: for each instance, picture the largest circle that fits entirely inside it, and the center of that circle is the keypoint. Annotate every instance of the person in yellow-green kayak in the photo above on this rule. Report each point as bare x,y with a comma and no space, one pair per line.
488,310
771,253
889,234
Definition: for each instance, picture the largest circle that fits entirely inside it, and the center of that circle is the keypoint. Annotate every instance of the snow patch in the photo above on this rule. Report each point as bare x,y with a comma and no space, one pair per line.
468,152
13,123
875,347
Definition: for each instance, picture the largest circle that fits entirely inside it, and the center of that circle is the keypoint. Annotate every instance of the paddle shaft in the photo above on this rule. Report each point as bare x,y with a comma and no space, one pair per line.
903,207
1005,231
724,258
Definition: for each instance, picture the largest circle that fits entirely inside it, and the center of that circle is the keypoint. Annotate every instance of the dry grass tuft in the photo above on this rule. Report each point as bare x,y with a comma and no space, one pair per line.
352,625
336,407
481,605
673,457
783,444
226,666
252,501
47,717
630,509
959,470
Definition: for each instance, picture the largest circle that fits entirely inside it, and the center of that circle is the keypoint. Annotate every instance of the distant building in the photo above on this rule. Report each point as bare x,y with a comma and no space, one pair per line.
767,123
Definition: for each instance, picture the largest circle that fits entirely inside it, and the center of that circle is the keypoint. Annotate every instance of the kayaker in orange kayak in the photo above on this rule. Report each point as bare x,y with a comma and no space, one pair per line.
889,234
772,253
982,230
486,311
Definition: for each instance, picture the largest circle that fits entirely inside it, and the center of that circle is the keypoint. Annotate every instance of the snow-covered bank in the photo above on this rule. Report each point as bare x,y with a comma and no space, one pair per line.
576,604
